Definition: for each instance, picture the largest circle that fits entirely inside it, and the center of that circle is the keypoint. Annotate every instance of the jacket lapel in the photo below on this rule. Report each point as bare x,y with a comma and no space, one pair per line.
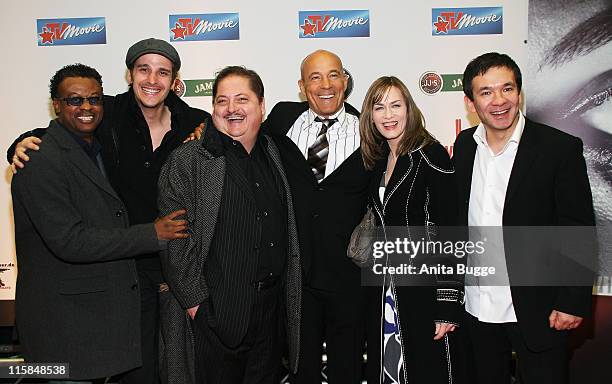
464,181
299,161
525,156
77,156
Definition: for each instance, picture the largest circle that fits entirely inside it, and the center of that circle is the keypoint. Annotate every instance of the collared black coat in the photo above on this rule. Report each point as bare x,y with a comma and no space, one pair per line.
77,294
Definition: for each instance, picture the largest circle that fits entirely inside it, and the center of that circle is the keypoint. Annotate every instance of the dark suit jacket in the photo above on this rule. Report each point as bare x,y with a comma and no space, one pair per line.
77,294
548,186
216,266
326,212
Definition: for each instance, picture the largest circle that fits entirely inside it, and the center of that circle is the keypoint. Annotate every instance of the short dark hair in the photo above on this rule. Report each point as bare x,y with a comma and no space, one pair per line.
72,70
480,65
255,82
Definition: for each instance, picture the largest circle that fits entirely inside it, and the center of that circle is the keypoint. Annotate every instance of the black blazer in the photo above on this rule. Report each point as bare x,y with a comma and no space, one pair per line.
548,186
326,212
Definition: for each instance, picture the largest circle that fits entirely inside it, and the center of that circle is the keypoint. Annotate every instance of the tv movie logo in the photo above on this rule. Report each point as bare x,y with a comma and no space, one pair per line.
325,24
71,31
205,26
467,21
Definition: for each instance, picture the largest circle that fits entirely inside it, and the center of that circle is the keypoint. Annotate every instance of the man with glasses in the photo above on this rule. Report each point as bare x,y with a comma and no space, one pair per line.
77,296
141,128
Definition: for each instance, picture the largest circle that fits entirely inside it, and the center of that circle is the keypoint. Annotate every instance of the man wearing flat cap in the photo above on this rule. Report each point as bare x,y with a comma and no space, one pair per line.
139,130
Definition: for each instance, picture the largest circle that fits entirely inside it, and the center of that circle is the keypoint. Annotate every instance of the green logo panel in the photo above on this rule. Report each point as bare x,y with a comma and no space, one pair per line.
198,87
452,82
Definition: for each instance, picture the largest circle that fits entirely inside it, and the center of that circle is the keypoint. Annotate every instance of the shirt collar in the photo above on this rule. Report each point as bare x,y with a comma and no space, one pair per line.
91,149
340,115
480,134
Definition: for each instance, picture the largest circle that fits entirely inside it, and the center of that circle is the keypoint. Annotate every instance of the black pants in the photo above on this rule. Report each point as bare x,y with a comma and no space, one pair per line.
492,346
338,319
256,360
149,281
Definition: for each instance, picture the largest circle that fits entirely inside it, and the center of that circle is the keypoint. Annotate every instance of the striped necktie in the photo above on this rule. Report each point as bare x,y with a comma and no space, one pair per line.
317,152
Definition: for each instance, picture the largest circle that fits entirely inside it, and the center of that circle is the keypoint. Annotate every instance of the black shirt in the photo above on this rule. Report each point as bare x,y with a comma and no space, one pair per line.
265,186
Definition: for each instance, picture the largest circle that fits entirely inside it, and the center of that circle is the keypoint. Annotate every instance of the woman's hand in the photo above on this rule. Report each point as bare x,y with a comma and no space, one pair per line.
442,329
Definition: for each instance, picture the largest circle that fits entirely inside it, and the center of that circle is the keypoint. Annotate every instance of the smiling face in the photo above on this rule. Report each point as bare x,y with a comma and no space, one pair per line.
151,79
323,82
84,119
496,99
237,111
390,116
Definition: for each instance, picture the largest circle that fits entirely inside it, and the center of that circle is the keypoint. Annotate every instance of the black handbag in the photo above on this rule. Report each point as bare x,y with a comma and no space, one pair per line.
360,245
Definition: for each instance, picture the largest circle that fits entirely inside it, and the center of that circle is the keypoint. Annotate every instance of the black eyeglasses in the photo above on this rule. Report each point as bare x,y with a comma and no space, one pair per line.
77,101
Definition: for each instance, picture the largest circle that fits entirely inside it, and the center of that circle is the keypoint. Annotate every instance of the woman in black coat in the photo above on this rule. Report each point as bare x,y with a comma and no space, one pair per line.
412,195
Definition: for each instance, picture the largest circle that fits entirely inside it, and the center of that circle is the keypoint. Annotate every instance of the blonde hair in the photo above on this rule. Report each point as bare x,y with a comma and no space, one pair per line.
372,142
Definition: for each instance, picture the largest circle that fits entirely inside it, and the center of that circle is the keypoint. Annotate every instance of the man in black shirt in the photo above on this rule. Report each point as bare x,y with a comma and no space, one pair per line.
244,255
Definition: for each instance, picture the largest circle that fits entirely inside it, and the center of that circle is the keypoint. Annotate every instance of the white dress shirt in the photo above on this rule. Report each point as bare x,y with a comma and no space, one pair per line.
343,136
490,175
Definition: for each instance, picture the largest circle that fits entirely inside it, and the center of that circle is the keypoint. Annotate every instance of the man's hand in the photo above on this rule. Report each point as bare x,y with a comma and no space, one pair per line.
563,321
196,134
442,329
169,229
20,156
192,311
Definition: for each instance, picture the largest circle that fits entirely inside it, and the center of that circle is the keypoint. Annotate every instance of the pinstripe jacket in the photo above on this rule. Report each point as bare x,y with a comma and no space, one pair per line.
193,178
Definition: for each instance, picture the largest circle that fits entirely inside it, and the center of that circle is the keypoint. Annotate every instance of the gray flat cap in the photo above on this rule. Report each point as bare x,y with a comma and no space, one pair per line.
152,45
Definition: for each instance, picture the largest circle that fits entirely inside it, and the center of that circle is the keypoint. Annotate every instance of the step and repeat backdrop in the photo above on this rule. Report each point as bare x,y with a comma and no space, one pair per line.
425,43
562,46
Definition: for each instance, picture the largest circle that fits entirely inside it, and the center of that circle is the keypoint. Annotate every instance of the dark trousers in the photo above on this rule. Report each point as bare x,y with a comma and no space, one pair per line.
492,346
256,360
149,281
338,319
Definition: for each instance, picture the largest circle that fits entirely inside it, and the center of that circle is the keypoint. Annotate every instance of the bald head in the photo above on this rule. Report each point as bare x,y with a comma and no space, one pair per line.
323,82
319,54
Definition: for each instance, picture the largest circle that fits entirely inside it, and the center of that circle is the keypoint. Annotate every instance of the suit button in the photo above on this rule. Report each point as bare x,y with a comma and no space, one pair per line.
134,286
143,148
137,131
320,189
147,164
271,244
315,215
119,213
265,213
257,217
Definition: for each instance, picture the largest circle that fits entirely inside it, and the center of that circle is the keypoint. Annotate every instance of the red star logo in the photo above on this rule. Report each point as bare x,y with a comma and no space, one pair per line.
47,37
309,29
179,32
441,25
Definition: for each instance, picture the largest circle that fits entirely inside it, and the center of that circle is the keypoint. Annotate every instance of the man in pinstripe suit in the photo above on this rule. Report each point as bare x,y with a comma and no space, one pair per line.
243,256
